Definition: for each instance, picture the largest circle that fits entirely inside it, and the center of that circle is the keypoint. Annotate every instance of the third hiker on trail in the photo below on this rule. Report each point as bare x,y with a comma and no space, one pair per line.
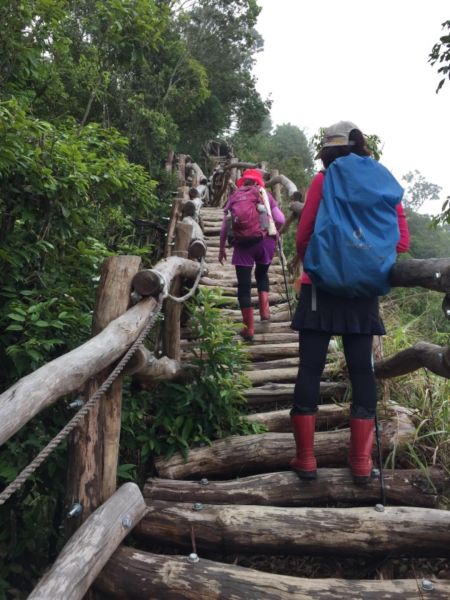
350,231
251,222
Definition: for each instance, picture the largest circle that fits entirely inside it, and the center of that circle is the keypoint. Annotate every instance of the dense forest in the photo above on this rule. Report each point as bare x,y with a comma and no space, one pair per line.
93,96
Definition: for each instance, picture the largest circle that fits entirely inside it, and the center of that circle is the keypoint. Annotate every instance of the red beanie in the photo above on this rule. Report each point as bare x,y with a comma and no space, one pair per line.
253,174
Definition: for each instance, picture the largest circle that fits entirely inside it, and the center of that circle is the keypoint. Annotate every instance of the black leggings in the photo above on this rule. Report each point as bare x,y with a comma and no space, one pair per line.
244,279
358,356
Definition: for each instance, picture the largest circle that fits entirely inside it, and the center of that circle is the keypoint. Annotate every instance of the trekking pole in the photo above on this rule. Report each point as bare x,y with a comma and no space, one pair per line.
380,462
281,255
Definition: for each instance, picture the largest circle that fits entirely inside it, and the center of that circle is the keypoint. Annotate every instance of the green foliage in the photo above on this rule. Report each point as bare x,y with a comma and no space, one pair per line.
429,239
66,198
419,190
174,417
440,55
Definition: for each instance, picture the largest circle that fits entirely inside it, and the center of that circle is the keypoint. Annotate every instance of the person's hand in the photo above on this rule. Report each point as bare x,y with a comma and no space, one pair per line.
222,256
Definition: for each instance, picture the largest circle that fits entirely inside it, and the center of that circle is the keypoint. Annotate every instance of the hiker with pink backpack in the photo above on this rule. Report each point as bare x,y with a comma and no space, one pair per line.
350,231
252,219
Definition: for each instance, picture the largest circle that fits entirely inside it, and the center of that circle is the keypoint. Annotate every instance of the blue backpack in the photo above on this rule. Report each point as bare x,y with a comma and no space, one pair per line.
353,247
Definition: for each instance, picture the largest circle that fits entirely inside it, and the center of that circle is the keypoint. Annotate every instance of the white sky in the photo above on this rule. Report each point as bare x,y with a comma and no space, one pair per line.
367,62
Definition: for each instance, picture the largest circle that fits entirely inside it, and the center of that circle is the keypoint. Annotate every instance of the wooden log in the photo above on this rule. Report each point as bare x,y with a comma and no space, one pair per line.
273,451
422,355
269,351
278,375
165,369
86,553
66,374
407,487
430,273
329,415
94,443
172,310
174,216
282,392
138,575
256,529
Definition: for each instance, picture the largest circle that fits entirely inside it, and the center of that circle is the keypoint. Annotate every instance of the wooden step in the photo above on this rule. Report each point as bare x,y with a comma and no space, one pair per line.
408,487
139,575
254,529
272,452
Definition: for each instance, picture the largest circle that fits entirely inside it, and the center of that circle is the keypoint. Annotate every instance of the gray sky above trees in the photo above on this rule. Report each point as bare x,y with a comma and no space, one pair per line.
364,62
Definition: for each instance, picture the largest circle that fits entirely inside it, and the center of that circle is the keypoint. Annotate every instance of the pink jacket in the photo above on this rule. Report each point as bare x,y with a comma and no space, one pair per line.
308,218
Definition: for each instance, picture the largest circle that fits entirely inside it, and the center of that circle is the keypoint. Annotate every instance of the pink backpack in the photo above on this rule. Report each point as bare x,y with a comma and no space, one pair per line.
247,217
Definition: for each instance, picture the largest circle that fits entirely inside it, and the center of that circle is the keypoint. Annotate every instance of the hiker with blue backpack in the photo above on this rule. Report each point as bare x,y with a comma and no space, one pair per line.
252,219
350,231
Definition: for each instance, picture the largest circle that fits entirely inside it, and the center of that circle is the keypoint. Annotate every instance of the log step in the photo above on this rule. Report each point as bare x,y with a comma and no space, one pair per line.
139,575
273,451
408,487
274,530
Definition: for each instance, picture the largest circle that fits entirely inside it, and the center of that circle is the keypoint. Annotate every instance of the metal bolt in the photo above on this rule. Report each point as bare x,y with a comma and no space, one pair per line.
75,511
447,312
427,585
193,558
127,522
198,506
437,275
375,472
135,297
379,507
77,403
204,481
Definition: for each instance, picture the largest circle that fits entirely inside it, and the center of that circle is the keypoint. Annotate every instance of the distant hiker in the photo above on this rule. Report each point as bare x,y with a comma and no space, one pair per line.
350,230
251,222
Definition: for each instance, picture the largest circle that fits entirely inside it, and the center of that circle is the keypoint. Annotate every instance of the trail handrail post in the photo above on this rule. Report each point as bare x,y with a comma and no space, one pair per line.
94,444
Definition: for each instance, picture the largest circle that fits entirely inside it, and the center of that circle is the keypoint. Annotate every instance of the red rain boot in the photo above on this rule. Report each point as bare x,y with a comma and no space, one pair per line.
264,308
361,443
304,464
248,331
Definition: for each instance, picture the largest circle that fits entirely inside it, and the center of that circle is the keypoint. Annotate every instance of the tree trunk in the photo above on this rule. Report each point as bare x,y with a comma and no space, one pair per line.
430,356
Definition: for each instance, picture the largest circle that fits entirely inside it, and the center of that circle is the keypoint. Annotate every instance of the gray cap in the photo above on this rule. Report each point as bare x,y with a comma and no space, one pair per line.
337,134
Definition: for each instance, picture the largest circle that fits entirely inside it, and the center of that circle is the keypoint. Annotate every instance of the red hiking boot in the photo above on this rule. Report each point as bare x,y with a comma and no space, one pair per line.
361,443
304,463
264,308
249,329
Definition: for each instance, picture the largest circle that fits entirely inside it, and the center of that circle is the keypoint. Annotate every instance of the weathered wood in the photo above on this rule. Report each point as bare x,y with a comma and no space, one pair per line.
273,451
422,355
271,351
329,415
137,575
86,553
174,216
282,392
94,443
280,530
278,179
408,487
430,273
68,373
148,283
172,310
165,369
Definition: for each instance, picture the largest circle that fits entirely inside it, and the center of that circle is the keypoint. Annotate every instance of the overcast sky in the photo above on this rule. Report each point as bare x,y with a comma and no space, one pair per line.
330,60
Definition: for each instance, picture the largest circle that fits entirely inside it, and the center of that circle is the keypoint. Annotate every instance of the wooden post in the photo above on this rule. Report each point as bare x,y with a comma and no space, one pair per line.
172,310
94,445
276,189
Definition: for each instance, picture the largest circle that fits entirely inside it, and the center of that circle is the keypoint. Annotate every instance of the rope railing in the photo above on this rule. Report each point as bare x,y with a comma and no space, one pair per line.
28,471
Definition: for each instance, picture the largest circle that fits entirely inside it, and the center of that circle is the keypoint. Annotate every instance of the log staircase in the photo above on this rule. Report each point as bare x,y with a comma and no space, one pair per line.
233,522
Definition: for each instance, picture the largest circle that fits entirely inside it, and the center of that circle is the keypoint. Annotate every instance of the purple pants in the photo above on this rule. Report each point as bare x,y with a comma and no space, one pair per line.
260,253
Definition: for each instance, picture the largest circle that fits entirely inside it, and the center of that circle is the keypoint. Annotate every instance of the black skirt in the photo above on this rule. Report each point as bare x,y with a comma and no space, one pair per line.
337,315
